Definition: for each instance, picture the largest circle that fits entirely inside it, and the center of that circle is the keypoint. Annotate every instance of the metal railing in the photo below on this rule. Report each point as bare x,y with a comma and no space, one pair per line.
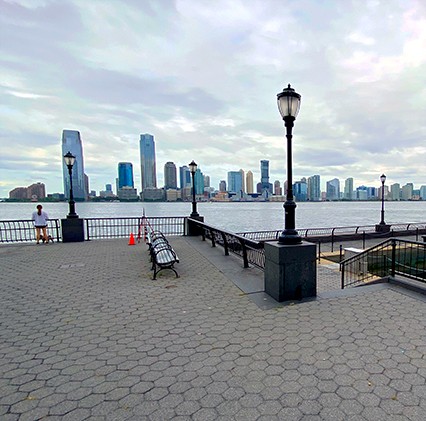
251,251
333,235
23,230
391,258
106,228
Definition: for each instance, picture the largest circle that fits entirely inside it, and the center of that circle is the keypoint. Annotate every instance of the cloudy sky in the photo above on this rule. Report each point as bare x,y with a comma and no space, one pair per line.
202,77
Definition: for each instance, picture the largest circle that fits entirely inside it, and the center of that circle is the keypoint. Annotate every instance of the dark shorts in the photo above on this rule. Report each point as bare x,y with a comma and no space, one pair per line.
41,226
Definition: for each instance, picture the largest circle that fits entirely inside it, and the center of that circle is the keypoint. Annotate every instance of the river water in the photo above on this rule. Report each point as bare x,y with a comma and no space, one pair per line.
239,217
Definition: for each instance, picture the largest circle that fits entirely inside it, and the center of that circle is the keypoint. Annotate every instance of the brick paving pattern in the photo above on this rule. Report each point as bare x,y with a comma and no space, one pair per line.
86,334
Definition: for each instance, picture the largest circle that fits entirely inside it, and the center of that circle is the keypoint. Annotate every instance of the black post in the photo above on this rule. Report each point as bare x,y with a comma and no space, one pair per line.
194,213
382,221
289,235
71,202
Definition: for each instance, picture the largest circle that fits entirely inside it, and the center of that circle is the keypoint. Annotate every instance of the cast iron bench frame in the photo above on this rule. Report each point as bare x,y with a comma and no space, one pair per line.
162,254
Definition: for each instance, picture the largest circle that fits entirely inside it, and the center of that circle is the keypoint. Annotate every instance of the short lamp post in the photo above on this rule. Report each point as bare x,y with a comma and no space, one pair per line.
69,159
193,169
382,220
289,105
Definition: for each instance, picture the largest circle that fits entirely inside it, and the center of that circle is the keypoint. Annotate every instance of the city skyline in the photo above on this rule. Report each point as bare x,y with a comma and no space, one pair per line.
218,101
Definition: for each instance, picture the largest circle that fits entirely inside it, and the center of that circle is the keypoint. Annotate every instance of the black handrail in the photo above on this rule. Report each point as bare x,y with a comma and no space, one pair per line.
22,230
250,251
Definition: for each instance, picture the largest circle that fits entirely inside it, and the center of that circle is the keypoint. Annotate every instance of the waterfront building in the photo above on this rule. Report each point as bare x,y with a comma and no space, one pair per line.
407,191
184,177
19,193
264,177
71,142
249,182
125,175
235,182
314,188
152,195
207,182
172,195
127,193
300,190
243,181
333,189
349,189
422,193
170,179
361,194
148,162
199,182
395,192
277,188
222,186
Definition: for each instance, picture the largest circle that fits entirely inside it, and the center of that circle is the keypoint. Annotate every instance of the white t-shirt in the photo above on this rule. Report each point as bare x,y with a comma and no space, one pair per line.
40,220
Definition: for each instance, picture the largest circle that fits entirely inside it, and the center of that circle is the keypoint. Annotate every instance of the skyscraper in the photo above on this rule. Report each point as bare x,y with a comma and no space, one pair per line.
71,141
170,179
314,188
333,189
264,176
125,175
249,182
184,177
243,181
148,165
349,188
235,182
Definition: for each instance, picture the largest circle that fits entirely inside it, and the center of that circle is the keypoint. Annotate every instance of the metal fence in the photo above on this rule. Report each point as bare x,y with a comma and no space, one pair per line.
251,251
395,258
104,228
23,230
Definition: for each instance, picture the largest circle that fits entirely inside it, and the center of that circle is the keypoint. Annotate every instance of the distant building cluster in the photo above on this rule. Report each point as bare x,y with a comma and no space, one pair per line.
238,186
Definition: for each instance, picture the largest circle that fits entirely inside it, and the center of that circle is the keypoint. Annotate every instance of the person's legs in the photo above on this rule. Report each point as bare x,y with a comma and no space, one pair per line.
38,234
46,238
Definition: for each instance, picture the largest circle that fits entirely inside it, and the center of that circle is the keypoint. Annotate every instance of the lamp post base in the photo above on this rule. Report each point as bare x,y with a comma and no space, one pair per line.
383,228
290,271
72,230
289,237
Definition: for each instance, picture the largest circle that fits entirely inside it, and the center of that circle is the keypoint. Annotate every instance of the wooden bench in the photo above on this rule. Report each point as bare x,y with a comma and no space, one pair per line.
162,254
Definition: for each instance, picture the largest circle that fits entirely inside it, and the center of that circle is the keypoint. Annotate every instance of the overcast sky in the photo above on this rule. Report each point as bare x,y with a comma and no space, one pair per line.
202,77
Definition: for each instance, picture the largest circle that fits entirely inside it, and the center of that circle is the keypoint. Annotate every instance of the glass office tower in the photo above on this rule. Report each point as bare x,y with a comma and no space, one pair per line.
148,167
71,141
125,175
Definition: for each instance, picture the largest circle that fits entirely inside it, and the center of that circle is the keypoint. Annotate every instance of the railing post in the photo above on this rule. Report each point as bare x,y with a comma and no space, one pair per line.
57,229
212,235
363,240
87,229
393,258
417,234
319,251
342,280
332,240
245,258
340,253
225,244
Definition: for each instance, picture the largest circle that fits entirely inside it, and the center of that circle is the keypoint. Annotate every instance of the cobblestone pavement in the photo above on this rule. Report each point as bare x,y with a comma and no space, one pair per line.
86,334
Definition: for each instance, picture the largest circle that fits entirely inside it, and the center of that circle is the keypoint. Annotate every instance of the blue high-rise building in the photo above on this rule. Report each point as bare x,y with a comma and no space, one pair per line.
235,182
199,182
148,164
125,175
264,176
71,142
184,177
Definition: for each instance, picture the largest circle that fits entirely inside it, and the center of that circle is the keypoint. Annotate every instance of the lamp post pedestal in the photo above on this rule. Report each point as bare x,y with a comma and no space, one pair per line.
290,271
72,229
383,228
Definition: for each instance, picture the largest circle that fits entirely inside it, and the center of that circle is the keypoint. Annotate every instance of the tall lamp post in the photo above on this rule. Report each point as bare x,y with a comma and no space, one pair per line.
289,105
193,169
69,159
382,220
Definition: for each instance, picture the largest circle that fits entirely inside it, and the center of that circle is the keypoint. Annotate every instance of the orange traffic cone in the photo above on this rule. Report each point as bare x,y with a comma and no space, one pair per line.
131,240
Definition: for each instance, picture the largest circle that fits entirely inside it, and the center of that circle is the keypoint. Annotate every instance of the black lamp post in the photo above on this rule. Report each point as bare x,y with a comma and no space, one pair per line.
193,169
69,159
289,105
383,179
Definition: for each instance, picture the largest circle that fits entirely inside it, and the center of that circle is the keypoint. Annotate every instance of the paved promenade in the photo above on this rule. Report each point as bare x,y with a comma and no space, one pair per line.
85,334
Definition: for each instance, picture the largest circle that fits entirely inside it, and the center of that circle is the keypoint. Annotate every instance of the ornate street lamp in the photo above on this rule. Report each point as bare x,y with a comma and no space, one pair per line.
69,159
289,105
193,169
383,179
